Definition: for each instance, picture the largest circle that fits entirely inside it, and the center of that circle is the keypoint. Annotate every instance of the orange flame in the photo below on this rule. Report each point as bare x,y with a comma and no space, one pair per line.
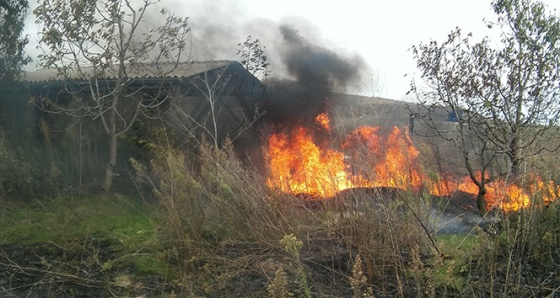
323,120
383,162
298,165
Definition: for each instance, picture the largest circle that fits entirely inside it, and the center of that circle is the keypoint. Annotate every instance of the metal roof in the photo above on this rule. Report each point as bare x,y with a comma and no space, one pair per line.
139,71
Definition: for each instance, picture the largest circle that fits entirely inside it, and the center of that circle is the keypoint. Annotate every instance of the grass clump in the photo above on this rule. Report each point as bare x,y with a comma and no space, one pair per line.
358,281
129,227
292,246
521,258
212,206
381,228
278,287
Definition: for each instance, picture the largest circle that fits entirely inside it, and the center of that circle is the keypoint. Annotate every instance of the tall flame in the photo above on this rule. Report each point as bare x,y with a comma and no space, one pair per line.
299,165
324,121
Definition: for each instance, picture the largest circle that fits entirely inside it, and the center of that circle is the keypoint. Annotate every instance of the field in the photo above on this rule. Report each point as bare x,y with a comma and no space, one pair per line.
213,226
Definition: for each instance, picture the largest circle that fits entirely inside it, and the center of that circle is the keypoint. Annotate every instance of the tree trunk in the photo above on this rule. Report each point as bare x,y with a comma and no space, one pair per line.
110,169
514,156
481,201
111,129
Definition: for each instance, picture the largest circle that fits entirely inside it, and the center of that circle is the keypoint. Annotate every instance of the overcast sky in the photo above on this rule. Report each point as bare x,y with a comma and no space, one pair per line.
380,31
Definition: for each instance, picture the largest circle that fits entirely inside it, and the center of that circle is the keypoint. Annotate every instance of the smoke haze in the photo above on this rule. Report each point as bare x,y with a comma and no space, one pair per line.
303,68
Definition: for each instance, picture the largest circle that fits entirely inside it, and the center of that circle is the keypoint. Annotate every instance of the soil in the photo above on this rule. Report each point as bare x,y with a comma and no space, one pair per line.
80,268
50,270
246,269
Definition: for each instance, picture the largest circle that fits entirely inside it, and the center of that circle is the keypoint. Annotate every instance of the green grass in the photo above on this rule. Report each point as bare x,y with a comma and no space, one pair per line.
457,242
448,270
129,226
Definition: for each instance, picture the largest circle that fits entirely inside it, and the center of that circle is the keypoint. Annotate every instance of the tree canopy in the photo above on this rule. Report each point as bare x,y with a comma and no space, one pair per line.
87,41
505,94
12,43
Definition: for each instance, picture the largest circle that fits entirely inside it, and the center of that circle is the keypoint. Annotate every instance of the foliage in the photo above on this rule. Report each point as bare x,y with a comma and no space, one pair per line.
253,57
503,97
88,41
517,261
292,245
12,56
17,177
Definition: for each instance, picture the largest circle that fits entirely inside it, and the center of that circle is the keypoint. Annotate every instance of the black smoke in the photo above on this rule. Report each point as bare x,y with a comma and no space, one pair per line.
313,72
304,67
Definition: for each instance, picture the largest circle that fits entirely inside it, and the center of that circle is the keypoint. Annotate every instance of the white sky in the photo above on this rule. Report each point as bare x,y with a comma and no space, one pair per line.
381,31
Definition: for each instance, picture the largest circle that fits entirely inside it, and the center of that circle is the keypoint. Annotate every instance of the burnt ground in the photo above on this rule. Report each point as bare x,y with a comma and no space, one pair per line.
87,267
456,213
244,270
98,268
79,270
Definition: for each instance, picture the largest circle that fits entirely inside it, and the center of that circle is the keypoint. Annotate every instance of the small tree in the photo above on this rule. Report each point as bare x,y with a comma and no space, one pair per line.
253,58
214,88
102,49
222,103
16,174
503,97
12,57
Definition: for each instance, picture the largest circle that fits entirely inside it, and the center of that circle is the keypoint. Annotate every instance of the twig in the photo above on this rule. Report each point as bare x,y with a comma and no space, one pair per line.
422,224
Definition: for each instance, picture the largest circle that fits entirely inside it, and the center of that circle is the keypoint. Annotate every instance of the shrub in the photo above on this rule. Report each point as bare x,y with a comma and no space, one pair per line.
521,259
16,175
386,232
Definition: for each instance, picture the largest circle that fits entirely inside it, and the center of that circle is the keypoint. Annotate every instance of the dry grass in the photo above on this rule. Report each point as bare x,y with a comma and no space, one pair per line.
521,259
224,228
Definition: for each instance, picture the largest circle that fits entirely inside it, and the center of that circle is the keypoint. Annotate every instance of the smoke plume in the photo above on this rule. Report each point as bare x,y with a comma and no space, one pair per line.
304,67
313,72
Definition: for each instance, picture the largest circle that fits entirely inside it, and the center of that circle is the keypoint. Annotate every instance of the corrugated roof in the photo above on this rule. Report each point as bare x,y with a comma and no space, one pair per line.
141,71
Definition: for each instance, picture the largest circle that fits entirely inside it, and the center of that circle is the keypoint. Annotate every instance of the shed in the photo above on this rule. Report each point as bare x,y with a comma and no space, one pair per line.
206,97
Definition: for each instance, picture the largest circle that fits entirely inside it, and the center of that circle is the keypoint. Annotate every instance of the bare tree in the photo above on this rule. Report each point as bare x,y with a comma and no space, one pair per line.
503,97
111,62
222,102
227,96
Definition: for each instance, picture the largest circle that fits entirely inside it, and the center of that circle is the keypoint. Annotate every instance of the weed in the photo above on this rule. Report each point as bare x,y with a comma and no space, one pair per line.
519,260
292,246
358,281
278,287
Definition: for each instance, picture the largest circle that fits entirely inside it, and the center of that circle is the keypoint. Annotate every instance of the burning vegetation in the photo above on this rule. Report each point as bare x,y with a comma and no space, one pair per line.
299,162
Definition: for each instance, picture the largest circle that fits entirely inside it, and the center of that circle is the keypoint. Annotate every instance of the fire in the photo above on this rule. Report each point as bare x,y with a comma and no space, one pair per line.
298,165
323,120
369,158
383,162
